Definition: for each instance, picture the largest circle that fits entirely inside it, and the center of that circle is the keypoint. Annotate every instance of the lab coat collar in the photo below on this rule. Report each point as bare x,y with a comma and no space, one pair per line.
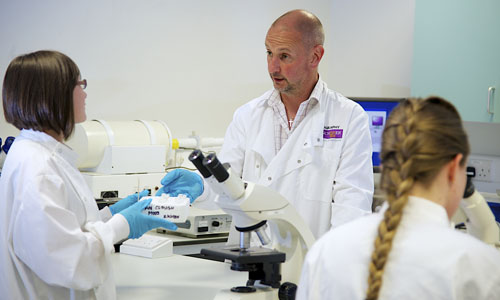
265,138
319,92
421,211
313,137
50,143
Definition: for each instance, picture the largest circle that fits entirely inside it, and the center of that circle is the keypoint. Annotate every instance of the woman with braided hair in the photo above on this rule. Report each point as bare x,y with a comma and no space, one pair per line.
408,250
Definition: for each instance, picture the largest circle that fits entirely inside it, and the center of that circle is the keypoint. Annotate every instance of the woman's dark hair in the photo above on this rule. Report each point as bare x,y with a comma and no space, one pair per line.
38,92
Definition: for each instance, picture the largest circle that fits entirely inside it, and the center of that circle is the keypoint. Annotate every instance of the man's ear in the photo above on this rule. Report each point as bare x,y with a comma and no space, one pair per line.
317,54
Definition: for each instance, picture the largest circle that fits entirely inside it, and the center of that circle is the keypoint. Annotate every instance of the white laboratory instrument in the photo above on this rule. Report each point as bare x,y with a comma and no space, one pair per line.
119,158
202,223
149,246
483,186
2,159
478,217
274,270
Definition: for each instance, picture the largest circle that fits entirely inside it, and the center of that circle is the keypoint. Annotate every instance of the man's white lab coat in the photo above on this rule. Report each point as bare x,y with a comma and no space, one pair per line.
324,169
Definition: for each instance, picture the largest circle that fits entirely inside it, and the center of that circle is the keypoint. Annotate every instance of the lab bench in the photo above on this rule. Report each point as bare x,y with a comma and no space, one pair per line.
175,277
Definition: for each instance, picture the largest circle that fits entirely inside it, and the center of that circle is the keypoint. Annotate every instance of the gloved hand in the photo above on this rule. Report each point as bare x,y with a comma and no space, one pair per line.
180,181
140,223
126,202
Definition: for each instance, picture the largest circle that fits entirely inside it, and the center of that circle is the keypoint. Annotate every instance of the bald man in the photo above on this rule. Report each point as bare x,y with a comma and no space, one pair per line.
302,139
307,142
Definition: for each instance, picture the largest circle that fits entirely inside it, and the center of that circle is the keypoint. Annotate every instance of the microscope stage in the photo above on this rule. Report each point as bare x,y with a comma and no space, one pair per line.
248,256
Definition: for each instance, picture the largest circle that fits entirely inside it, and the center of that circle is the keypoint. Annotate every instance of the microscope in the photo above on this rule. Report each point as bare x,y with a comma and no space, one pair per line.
480,221
274,271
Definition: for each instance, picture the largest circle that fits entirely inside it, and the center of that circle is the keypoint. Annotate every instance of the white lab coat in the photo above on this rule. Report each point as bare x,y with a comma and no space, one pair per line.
429,260
309,171
53,242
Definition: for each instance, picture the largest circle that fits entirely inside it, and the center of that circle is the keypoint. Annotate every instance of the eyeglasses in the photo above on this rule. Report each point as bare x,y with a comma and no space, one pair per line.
82,83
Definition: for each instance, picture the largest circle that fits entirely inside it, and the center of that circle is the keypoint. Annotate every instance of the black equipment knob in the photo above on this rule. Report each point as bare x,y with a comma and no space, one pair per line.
287,291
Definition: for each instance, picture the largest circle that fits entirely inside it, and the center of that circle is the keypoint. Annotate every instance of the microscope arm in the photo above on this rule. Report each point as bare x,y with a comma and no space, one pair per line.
251,205
260,203
480,220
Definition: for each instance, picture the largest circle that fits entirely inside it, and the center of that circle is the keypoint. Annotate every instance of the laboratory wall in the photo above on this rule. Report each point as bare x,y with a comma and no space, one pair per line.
192,63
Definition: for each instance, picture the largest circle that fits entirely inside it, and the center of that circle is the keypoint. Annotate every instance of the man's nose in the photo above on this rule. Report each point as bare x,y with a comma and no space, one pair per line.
273,65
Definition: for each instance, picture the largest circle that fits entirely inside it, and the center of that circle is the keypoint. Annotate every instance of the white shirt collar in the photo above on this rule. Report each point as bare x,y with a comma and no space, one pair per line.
274,96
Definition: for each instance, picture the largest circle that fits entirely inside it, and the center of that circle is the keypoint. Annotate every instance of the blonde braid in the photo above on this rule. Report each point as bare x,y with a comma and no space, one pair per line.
420,137
398,167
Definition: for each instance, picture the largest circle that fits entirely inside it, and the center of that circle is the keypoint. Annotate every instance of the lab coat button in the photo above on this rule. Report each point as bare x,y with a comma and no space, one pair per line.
269,178
299,161
257,166
318,139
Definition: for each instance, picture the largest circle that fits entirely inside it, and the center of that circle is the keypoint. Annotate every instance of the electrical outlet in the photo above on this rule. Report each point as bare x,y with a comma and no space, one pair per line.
483,169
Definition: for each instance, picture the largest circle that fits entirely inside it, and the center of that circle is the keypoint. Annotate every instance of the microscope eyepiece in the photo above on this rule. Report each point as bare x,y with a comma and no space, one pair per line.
212,163
469,188
196,157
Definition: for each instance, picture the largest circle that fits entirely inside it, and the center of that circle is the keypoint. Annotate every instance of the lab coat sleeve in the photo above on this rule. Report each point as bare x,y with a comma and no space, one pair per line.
233,149
105,213
309,285
303,290
353,183
47,237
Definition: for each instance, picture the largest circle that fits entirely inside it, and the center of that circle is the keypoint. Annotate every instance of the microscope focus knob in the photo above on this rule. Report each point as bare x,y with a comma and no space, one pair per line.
287,291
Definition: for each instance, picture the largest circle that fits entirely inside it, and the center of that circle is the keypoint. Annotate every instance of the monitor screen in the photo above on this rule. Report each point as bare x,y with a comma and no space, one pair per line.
378,109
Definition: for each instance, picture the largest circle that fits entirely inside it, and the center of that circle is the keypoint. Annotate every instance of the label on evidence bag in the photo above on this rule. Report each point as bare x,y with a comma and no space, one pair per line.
174,209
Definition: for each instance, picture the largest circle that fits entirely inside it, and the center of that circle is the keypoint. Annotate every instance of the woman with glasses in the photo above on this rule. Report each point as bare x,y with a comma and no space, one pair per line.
54,242
409,250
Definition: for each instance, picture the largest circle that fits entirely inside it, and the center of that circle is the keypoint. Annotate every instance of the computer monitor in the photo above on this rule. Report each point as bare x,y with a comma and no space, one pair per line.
378,110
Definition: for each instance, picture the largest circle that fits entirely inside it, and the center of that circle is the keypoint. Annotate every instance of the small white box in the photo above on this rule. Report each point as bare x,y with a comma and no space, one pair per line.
148,246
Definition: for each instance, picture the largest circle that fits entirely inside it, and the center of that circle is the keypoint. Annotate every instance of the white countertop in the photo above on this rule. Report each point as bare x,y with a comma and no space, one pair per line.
174,277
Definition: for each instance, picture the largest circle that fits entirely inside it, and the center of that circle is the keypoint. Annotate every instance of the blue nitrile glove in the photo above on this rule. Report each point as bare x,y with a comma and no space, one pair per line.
127,201
180,181
140,223
8,142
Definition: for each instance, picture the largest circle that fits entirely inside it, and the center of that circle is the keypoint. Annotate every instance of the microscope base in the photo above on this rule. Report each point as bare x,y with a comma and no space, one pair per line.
270,294
262,264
